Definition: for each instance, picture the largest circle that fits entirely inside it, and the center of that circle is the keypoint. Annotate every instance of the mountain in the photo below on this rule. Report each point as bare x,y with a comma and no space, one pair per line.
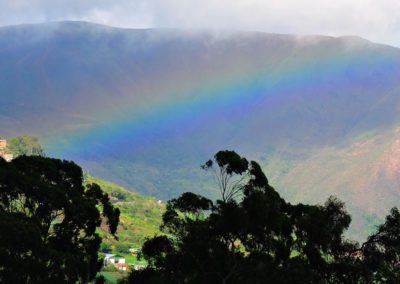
145,108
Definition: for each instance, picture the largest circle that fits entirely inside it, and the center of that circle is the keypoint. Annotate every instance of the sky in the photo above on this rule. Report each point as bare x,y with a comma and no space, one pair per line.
376,20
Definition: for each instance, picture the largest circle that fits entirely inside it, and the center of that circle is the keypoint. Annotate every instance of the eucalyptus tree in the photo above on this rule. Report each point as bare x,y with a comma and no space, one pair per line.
48,222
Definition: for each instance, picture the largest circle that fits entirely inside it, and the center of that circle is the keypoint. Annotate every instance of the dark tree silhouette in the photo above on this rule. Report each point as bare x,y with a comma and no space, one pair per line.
231,174
48,222
252,235
381,251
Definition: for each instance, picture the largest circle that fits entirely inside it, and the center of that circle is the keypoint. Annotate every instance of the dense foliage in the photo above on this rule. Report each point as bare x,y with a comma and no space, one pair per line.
48,222
25,145
252,235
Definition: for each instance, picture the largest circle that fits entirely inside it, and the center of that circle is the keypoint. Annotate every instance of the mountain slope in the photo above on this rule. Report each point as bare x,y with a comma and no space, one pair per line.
140,215
145,108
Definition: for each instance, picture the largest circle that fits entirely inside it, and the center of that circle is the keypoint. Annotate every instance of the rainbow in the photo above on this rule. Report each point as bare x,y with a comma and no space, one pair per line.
180,101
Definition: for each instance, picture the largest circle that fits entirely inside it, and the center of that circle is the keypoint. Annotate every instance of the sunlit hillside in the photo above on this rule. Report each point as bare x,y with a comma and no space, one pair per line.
140,216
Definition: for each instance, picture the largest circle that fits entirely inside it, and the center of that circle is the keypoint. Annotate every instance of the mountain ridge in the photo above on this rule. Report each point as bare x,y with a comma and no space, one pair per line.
58,25
145,108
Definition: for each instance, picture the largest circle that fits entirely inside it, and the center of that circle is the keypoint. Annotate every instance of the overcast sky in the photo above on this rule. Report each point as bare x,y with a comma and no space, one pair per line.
377,20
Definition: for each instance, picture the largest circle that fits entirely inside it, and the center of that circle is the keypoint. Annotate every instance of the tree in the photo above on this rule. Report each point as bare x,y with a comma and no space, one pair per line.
252,235
48,222
25,145
381,251
231,173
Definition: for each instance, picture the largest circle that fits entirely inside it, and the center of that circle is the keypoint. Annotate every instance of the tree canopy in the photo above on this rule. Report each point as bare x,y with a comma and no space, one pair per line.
252,235
48,222
25,145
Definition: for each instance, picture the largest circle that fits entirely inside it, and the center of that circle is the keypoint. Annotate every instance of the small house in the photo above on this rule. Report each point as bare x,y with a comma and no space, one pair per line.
109,258
8,157
121,266
115,260
3,148
3,143
135,250
139,267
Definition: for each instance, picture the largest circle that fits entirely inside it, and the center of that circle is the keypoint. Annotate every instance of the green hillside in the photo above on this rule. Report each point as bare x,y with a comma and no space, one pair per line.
140,216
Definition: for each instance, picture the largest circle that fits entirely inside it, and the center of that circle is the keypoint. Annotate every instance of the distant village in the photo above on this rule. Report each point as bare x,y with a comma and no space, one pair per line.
119,262
3,151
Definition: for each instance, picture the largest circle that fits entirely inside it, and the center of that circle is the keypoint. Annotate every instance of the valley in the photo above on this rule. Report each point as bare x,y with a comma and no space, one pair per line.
146,107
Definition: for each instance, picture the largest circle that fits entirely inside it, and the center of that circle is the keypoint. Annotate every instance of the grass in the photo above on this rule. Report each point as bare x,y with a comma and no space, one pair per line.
140,217
133,259
111,277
